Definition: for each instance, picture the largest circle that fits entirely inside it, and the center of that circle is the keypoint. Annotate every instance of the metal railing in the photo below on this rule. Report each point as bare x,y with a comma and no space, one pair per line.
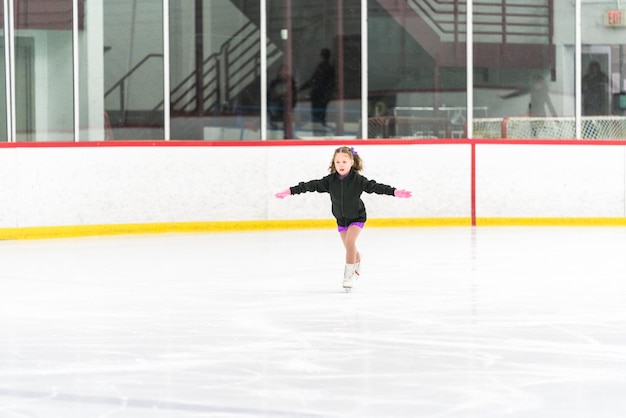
216,82
121,83
501,21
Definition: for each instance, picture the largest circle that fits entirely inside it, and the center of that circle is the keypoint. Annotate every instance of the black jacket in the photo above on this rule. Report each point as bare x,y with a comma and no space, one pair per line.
345,194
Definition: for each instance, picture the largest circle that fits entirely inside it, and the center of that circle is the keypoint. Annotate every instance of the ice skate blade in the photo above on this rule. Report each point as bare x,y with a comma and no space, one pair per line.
347,289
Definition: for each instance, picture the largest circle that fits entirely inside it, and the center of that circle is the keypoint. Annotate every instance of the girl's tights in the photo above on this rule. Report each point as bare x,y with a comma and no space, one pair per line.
349,238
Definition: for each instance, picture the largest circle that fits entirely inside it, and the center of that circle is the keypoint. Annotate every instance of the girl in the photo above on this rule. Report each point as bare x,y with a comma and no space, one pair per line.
345,185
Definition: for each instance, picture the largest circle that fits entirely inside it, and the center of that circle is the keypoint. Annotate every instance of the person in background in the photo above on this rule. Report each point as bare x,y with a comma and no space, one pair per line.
595,85
322,85
278,92
539,97
345,185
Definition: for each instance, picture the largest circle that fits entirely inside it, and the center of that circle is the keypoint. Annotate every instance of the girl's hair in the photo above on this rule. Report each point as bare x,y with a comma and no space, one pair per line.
358,162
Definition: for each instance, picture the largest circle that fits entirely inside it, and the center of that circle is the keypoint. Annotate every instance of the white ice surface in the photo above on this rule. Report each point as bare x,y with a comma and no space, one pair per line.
444,322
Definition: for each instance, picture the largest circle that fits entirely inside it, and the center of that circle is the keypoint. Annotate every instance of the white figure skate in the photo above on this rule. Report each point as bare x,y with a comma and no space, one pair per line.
349,277
357,267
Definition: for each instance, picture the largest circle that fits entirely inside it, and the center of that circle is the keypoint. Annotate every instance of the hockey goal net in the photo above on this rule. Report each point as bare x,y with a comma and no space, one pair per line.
592,127
408,127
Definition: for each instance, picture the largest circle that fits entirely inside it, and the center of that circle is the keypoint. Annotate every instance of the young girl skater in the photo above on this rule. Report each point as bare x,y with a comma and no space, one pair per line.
345,185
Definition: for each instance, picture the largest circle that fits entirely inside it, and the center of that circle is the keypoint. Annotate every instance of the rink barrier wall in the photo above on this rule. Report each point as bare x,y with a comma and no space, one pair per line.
205,227
136,187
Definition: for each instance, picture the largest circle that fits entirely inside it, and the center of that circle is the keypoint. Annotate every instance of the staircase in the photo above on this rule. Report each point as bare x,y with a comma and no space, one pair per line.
215,86
223,76
507,33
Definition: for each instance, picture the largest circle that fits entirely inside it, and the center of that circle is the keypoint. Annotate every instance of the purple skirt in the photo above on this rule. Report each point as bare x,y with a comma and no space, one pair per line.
345,228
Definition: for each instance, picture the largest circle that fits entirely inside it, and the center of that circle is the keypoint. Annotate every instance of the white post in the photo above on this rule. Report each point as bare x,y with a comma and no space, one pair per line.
578,70
9,46
263,74
166,70
364,68
469,47
76,78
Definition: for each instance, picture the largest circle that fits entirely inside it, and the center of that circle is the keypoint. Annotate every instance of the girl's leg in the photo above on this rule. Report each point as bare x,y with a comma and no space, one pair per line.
348,238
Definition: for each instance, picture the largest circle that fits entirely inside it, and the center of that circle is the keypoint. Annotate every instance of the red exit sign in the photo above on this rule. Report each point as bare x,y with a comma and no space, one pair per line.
615,18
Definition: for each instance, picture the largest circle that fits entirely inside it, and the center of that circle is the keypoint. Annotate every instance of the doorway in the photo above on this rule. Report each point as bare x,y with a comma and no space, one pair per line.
24,86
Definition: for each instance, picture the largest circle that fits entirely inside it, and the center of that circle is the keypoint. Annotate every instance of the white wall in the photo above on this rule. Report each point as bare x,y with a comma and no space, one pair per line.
95,185
554,181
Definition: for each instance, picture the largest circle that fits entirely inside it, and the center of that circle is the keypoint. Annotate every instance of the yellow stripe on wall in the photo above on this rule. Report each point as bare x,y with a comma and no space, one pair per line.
156,228
551,222
230,226
242,226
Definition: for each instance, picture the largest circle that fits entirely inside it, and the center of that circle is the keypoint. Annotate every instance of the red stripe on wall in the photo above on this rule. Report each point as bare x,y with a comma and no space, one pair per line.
473,186
299,142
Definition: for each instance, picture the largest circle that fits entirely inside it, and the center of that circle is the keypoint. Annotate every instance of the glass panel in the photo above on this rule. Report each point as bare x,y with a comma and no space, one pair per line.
417,76
3,74
43,70
319,45
133,68
214,69
521,89
603,72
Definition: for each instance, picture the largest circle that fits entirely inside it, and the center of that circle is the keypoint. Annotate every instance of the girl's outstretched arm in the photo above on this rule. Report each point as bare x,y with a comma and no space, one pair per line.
320,186
402,193
283,194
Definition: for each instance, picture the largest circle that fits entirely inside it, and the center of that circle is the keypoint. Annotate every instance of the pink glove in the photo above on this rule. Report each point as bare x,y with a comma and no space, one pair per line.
401,193
283,194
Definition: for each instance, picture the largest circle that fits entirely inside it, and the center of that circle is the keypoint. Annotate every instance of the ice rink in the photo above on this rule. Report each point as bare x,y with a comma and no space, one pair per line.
444,322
